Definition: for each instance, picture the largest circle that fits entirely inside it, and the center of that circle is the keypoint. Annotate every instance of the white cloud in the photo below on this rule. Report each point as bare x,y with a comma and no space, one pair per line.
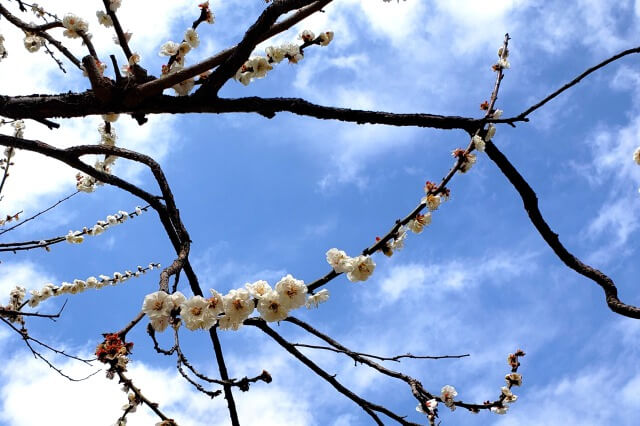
25,274
33,394
456,275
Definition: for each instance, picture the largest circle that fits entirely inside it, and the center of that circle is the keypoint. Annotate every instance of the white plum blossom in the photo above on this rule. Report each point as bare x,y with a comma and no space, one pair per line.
447,393
363,267
325,38
431,404
74,237
293,292
104,19
514,379
508,396
478,143
74,24
469,161
320,297
339,261
306,36
496,114
292,52
157,306
195,314
499,410
177,299
491,132
191,37
170,48
432,201
258,289
271,308
32,42
636,156
238,305
417,224
275,54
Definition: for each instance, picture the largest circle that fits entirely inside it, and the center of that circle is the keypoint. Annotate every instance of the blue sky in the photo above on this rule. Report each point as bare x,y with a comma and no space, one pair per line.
262,198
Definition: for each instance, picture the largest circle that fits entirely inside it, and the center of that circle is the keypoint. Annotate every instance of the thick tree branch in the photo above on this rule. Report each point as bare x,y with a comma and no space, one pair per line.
530,201
87,103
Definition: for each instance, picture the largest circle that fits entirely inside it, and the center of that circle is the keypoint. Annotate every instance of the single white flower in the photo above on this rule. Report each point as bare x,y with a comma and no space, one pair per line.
97,230
325,38
447,393
258,289
74,237
514,379
196,315
496,114
271,308
157,305
238,305
177,299
339,260
170,48
508,396
363,267
216,303
320,297
491,132
293,292
276,54
184,48
74,24
398,242
478,142
636,156
306,36
432,201
260,66
417,224
431,404
32,42
191,37
499,410
469,161
104,19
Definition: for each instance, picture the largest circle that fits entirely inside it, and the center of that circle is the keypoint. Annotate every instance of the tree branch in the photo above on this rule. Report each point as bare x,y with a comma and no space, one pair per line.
530,202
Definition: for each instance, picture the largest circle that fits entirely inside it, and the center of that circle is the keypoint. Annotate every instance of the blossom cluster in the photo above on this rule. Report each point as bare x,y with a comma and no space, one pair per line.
357,268
16,300
229,311
177,52
78,286
86,183
503,55
77,237
113,351
112,348
258,66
